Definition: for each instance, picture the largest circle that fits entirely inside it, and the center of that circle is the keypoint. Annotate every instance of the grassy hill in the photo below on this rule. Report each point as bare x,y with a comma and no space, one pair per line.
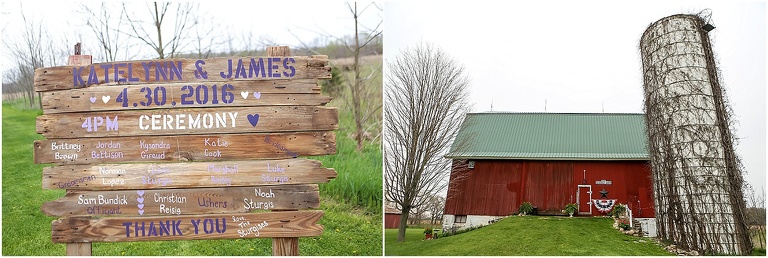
529,235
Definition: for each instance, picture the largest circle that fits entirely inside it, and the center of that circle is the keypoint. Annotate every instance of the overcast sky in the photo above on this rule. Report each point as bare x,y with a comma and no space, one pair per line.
283,22
583,57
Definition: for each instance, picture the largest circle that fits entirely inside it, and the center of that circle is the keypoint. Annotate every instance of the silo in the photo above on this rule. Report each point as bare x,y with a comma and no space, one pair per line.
697,177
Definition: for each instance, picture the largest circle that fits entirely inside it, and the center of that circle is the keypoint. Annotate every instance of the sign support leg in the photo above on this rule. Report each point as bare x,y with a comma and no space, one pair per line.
285,246
79,249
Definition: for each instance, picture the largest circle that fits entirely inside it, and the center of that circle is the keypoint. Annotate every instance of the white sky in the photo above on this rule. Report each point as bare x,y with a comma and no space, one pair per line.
582,55
274,20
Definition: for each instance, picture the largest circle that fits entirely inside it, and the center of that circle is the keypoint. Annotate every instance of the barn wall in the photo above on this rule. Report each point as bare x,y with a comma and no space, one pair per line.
548,186
631,183
498,187
391,220
491,188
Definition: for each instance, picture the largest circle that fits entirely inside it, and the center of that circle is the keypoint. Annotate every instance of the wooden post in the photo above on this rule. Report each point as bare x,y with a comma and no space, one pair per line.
78,249
277,51
283,246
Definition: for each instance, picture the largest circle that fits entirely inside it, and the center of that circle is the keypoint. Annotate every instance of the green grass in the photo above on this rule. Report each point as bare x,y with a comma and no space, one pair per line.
350,228
529,235
359,179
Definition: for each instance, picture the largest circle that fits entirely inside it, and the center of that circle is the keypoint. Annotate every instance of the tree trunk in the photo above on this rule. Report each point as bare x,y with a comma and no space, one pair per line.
159,34
403,224
31,94
356,98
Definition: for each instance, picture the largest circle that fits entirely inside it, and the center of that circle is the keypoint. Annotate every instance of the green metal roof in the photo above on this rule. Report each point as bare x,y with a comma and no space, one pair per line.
552,136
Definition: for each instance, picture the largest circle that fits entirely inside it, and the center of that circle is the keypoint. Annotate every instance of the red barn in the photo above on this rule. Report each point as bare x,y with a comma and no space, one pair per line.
549,160
391,218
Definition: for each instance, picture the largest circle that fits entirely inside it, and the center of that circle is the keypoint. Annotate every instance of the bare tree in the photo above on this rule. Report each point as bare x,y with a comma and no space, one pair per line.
755,205
435,208
426,100
417,214
359,89
106,29
755,214
364,97
34,48
205,44
183,20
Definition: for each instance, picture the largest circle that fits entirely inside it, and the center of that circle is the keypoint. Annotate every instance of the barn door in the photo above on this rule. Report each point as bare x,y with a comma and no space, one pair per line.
584,199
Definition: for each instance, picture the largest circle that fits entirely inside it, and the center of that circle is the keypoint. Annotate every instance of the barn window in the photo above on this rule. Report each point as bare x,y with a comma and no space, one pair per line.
461,219
471,164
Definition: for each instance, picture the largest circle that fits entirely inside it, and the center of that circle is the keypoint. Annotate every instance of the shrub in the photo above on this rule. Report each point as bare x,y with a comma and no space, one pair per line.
624,224
335,85
526,208
571,208
618,210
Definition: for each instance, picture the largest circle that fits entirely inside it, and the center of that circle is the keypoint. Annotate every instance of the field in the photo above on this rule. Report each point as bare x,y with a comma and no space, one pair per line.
352,202
529,235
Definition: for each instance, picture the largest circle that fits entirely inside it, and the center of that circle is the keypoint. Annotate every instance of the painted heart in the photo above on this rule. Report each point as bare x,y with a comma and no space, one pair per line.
257,95
244,94
93,99
141,212
141,206
254,119
105,99
140,200
140,192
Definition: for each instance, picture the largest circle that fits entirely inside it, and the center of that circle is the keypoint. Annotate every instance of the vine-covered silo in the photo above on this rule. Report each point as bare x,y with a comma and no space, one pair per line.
697,177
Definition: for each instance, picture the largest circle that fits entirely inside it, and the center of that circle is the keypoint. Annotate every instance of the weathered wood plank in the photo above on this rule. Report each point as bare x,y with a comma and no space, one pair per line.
182,70
184,201
187,227
182,148
188,121
181,175
181,95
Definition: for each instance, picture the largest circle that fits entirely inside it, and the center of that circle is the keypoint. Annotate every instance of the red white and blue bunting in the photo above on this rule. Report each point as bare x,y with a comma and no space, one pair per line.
604,205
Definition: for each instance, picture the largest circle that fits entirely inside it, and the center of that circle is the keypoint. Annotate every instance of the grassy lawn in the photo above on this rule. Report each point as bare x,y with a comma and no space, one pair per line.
530,235
359,179
351,227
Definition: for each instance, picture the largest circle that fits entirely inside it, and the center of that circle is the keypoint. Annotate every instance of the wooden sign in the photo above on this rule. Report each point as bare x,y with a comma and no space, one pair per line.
183,70
187,227
188,121
184,201
180,175
180,95
184,148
